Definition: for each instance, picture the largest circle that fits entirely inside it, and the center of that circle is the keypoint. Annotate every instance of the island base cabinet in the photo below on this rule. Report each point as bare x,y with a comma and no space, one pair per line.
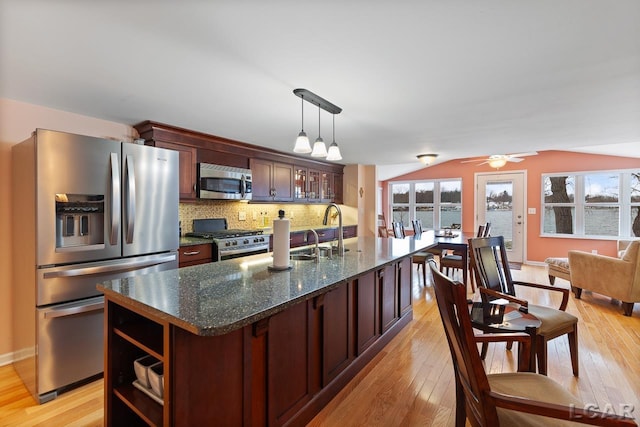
208,377
280,370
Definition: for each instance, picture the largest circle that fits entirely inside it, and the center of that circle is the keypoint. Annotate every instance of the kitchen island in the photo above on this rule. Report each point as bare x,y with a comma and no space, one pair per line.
244,345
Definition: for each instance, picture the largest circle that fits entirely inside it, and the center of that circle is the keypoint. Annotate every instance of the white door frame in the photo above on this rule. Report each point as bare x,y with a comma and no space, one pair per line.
518,253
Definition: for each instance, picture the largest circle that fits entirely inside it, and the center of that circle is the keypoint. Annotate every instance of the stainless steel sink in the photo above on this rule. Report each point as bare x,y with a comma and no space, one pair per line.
309,253
302,257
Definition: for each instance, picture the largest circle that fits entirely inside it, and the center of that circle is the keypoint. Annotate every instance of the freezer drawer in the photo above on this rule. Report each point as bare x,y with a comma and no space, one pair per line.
78,281
70,344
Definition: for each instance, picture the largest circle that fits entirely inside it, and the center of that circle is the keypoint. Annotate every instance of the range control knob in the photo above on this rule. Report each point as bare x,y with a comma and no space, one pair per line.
246,241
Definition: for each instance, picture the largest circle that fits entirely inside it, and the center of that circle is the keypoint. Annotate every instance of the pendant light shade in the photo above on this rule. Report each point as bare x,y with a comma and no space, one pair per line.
302,142
319,149
334,151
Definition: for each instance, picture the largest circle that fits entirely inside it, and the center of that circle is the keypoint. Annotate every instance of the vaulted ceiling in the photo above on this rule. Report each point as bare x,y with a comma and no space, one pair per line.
460,78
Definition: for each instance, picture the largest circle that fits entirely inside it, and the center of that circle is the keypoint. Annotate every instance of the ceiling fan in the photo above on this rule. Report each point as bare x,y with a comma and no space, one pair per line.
499,160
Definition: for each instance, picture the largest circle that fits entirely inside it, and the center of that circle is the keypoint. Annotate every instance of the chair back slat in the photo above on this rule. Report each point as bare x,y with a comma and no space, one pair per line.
490,264
417,227
398,230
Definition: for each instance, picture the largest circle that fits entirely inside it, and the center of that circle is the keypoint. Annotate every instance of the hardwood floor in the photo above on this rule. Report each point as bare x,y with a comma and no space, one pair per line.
411,381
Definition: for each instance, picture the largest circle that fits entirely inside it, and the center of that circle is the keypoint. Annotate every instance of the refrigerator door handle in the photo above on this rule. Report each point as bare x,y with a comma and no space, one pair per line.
127,265
131,198
115,199
70,311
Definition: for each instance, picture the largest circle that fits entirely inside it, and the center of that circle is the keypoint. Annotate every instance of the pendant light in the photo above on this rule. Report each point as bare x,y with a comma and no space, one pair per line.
319,149
302,142
334,151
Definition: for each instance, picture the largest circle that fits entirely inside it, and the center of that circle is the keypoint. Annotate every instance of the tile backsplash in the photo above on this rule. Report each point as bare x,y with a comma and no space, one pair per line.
258,215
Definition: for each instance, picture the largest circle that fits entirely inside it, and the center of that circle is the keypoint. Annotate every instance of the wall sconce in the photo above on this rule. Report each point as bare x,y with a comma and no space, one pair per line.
319,147
427,159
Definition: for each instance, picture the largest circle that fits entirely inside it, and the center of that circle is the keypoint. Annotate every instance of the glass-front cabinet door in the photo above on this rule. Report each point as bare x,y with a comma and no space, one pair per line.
300,183
326,182
313,185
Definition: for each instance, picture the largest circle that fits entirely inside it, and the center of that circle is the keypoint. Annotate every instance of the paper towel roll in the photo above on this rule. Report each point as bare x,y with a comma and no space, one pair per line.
281,242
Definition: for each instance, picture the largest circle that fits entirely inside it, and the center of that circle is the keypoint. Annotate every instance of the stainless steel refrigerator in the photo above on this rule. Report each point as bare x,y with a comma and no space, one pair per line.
84,210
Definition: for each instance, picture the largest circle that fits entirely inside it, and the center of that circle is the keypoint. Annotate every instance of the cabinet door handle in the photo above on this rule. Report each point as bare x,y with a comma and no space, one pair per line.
191,253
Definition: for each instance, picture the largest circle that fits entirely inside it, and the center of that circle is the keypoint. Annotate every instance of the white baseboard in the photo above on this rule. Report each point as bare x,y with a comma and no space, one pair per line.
6,359
15,356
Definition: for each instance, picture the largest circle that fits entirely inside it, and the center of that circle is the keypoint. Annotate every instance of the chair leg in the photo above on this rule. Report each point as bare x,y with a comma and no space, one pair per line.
483,351
509,345
424,274
573,349
577,292
541,354
461,410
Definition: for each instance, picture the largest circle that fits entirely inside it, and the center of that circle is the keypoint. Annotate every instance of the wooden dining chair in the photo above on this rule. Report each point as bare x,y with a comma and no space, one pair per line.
383,231
421,258
454,261
502,399
398,230
493,275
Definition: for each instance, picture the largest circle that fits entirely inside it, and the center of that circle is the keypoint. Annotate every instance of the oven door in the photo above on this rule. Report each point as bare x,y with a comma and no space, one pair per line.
239,253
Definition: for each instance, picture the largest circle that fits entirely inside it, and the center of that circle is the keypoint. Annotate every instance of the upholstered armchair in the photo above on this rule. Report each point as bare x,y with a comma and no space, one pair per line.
618,278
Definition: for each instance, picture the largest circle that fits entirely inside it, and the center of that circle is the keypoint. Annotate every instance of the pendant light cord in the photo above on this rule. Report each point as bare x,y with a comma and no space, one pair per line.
334,127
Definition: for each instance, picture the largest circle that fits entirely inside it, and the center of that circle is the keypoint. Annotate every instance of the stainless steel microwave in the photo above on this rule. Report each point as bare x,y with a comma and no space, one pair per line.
223,182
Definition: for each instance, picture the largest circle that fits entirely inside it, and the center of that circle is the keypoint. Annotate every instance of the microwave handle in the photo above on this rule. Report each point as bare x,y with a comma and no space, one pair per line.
243,187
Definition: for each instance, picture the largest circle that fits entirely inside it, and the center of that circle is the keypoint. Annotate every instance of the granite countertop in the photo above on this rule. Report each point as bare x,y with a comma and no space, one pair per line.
217,298
190,241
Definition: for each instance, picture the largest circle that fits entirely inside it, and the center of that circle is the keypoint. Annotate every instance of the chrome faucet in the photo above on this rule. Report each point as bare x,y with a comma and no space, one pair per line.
316,251
340,233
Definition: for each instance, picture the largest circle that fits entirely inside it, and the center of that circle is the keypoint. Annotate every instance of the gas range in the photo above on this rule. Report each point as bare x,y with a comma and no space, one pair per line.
229,243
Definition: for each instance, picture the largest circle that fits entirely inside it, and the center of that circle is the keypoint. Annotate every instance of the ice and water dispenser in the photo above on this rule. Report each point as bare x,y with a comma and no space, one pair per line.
79,220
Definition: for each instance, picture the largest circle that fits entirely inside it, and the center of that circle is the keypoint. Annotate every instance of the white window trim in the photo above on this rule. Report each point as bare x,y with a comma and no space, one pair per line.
412,199
624,204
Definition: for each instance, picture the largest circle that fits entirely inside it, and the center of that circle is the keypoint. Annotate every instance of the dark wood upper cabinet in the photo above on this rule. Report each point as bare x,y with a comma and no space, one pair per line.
187,163
272,181
275,177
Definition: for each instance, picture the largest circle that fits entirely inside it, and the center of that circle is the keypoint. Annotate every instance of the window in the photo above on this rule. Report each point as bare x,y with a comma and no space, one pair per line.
436,203
593,204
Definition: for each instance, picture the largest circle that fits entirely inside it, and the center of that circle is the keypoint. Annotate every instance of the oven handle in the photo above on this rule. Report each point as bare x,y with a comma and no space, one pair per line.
254,249
70,311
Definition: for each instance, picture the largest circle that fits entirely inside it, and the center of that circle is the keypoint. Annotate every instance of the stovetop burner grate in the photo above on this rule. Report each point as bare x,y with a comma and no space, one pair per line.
224,234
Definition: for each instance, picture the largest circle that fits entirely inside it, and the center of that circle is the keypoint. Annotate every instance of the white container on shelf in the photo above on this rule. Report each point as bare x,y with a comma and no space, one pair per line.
156,379
141,367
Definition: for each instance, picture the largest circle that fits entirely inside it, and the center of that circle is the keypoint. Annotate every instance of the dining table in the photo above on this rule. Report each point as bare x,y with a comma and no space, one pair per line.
500,316
456,240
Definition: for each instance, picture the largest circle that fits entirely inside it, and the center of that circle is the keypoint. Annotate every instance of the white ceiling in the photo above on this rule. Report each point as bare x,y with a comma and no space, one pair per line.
459,78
